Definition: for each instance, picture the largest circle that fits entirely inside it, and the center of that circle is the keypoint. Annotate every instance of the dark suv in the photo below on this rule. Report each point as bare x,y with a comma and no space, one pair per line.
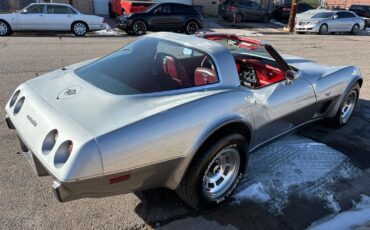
283,12
243,10
362,11
162,17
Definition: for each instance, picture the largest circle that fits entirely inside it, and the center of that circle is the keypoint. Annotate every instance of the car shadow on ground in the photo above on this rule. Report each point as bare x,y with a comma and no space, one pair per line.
162,207
352,139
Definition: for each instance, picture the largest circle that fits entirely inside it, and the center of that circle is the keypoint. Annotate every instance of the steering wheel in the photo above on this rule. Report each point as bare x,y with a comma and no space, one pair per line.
207,63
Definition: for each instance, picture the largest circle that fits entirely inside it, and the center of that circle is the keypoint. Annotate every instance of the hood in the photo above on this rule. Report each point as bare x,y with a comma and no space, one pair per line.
97,111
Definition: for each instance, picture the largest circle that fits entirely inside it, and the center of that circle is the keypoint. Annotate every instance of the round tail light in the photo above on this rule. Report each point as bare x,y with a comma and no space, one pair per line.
14,98
18,105
49,141
62,154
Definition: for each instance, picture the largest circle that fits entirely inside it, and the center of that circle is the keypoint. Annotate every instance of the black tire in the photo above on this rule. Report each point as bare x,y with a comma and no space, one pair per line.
80,28
323,29
5,29
337,121
129,32
139,27
226,18
266,18
191,27
111,14
191,188
355,29
238,17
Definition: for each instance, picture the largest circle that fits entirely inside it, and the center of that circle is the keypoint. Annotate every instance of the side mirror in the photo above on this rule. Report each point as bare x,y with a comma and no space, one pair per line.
24,11
335,17
290,76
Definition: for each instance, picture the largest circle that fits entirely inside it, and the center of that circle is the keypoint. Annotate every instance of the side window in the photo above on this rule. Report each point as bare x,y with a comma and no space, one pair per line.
349,15
35,9
255,5
200,69
57,9
246,5
166,9
177,9
341,15
72,10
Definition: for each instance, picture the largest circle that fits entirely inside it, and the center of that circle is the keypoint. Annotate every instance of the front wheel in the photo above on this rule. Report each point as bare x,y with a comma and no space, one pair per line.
323,29
191,27
215,172
345,111
79,29
139,28
5,29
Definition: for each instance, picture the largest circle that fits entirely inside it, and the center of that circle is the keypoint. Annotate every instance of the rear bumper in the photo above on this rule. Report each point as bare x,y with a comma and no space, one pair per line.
9,122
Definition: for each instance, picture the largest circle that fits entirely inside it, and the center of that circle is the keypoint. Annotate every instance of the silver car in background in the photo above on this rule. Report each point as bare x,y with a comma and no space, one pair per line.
50,17
327,21
174,111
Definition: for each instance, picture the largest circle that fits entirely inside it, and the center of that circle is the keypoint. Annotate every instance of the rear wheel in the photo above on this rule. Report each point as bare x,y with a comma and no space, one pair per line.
191,27
215,172
323,29
355,29
5,29
345,111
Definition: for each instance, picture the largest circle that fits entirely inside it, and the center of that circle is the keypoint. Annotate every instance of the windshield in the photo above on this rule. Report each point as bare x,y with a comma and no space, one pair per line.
150,8
150,65
323,15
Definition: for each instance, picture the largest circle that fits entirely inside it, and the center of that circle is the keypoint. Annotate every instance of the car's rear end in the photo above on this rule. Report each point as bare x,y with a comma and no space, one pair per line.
362,11
228,9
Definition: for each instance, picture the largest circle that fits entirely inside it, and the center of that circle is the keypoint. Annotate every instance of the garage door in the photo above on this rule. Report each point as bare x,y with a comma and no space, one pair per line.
101,7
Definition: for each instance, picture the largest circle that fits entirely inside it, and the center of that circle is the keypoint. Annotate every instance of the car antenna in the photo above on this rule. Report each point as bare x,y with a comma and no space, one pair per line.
63,68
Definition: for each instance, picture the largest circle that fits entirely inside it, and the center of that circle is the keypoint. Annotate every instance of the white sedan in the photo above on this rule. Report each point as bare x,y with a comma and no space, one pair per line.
50,17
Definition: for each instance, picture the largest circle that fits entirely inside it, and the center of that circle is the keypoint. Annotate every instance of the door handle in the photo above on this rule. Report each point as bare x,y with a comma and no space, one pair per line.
41,15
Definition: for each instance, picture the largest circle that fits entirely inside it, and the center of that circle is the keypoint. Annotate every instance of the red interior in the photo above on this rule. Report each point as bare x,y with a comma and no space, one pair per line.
266,74
175,70
204,76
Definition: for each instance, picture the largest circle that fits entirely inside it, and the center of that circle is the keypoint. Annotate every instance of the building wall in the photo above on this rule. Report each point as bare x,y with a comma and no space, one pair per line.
210,7
344,3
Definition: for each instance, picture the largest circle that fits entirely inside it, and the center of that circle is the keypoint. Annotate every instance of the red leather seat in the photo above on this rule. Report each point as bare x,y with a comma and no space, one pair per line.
204,76
175,70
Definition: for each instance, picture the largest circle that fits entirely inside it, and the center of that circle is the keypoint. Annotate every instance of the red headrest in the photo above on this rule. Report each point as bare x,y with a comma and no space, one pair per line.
169,68
204,76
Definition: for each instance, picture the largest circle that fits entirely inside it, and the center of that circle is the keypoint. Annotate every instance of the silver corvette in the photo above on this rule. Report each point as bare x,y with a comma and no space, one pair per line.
174,111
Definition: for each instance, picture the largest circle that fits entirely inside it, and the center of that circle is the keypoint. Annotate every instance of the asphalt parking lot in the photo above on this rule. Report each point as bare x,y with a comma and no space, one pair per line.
26,201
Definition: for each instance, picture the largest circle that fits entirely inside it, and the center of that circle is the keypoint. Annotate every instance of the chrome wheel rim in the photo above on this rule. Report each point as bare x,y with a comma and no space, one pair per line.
139,28
79,29
3,28
348,107
192,28
221,173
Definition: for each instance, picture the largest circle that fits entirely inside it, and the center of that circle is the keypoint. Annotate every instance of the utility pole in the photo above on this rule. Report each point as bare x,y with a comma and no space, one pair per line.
293,13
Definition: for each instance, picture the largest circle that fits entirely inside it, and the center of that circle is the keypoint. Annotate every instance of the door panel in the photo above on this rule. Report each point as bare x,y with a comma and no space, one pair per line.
58,18
280,107
32,18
